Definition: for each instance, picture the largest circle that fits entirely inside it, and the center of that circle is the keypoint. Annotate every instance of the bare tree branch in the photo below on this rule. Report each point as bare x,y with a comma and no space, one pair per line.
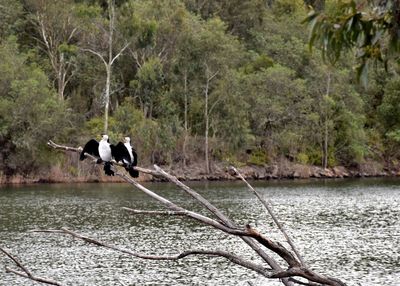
135,57
271,262
191,214
79,150
227,225
295,270
16,261
271,213
122,283
274,246
220,253
97,54
250,232
25,272
230,229
304,283
167,213
250,235
308,274
120,53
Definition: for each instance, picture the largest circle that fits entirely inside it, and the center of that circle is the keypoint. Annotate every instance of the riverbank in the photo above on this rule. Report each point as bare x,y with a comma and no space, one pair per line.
282,169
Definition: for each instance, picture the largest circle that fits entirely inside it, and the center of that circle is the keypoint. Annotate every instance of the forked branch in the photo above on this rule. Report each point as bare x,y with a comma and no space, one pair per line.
216,253
266,204
25,272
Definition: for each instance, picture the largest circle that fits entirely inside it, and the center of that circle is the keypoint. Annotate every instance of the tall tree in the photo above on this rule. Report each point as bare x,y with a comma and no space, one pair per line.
100,30
58,36
30,113
164,38
336,120
149,87
153,27
215,48
272,119
184,73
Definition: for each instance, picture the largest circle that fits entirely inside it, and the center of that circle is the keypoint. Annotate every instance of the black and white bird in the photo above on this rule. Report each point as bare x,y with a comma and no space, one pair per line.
124,152
102,149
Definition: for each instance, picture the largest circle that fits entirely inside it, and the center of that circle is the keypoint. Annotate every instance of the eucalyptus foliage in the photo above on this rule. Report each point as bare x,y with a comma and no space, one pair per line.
241,70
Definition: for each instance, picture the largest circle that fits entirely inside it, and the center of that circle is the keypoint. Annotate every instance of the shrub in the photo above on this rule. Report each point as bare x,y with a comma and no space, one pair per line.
258,157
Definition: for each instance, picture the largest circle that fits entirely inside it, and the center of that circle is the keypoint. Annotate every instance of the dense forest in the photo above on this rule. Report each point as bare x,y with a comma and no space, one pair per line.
190,82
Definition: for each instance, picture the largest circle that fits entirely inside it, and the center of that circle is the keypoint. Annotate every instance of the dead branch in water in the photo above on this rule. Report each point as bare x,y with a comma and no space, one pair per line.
291,266
216,253
267,205
25,272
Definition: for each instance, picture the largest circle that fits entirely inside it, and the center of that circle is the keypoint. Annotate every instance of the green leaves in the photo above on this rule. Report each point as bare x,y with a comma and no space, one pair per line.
30,112
88,12
266,91
347,26
68,49
10,17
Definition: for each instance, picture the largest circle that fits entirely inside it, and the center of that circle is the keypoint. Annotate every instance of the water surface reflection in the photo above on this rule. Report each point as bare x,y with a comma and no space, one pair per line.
346,228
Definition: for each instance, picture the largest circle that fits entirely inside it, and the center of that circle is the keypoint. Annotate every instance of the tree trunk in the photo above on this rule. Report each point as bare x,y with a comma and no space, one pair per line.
325,148
60,78
207,116
326,131
107,99
108,63
51,38
207,166
108,67
185,139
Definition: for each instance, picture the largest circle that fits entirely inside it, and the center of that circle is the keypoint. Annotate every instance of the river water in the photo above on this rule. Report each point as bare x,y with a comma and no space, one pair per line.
348,229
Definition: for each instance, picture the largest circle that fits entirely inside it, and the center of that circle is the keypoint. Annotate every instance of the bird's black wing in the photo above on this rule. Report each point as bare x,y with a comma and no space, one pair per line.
107,169
120,153
92,148
134,173
134,163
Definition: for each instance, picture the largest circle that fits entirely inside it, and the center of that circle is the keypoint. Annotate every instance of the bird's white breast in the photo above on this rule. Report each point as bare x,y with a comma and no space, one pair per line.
129,147
105,151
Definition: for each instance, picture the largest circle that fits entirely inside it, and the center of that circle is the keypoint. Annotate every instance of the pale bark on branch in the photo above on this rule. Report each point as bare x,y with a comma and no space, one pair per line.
167,213
215,211
216,253
226,226
25,272
267,205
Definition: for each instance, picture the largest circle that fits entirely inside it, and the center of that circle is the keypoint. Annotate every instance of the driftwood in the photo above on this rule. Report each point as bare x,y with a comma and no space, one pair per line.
288,272
25,272
266,204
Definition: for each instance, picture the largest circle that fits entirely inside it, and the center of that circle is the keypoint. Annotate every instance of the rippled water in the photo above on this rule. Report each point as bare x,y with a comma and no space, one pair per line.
348,229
